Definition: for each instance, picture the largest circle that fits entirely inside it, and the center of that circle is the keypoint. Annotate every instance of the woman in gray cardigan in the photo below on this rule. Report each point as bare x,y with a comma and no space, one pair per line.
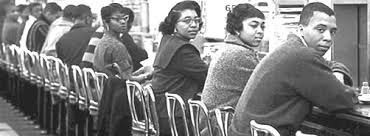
232,65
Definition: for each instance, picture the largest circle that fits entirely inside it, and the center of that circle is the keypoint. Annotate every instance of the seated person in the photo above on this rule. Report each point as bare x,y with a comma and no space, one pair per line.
294,77
233,64
178,67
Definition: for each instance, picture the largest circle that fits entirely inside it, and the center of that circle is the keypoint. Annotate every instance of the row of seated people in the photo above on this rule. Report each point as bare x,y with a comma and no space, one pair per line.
178,70
49,78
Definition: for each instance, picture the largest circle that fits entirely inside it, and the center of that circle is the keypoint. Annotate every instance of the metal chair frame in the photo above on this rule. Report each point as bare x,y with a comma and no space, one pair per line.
266,129
195,107
135,89
92,92
222,117
83,100
151,111
102,77
171,100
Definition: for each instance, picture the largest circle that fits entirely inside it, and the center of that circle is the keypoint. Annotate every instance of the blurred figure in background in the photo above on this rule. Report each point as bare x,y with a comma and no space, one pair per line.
57,29
72,45
70,49
11,25
178,66
137,53
234,63
3,9
30,16
40,28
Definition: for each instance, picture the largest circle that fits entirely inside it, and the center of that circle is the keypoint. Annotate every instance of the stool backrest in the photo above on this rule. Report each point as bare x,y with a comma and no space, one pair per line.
91,84
196,107
52,72
151,110
223,116
102,78
135,93
171,100
80,88
135,90
44,64
63,74
257,129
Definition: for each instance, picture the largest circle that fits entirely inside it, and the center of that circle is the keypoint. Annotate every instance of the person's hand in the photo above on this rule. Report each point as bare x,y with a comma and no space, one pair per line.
144,70
353,93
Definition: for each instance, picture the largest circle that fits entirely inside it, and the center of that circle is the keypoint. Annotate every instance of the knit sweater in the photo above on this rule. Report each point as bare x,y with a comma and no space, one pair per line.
283,88
228,73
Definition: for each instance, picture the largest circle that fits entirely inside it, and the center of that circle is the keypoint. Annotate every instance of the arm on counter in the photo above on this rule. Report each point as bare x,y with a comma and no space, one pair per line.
316,83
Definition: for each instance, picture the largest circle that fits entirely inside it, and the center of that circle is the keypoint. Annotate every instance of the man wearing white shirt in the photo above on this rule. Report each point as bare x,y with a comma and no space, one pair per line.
35,12
57,29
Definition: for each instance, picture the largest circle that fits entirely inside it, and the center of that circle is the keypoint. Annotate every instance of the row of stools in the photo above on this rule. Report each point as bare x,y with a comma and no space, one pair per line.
41,87
64,100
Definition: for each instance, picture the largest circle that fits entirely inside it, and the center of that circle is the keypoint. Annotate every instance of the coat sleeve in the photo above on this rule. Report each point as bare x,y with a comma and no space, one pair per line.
314,81
187,61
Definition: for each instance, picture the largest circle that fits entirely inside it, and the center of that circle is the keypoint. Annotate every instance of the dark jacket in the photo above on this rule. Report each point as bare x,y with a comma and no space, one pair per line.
37,34
9,32
72,45
178,69
137,53
114,118
284,87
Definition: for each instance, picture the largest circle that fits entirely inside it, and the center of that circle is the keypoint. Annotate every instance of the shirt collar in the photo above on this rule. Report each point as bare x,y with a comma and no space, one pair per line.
302,39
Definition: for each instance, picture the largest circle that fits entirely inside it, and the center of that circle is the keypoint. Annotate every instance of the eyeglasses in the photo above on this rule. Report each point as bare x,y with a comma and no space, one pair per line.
124,18
189,20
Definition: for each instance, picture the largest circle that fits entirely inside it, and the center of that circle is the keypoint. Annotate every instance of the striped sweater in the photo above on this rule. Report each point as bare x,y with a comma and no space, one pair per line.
37,34
88,57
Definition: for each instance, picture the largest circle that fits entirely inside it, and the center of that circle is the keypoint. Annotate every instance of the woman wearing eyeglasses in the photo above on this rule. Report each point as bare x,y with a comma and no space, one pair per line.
111,53
178,67
233,64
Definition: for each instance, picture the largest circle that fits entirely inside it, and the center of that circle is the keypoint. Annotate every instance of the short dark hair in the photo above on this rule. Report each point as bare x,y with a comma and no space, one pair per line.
52,8
68,11
81,11
21,7
33,5
168,25
307,12
107,11
240,12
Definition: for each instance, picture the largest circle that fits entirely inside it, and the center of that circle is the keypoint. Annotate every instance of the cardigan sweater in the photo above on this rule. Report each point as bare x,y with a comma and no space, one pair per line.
228,73
284,87
111,50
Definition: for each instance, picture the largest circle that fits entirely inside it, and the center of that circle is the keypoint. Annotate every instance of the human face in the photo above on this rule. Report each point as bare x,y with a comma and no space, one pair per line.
118,22
52,17
252,31
320,32
187,25
36,11
13,13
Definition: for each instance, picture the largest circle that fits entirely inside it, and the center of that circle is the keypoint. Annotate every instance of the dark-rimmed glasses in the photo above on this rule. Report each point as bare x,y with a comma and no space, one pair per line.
124,18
